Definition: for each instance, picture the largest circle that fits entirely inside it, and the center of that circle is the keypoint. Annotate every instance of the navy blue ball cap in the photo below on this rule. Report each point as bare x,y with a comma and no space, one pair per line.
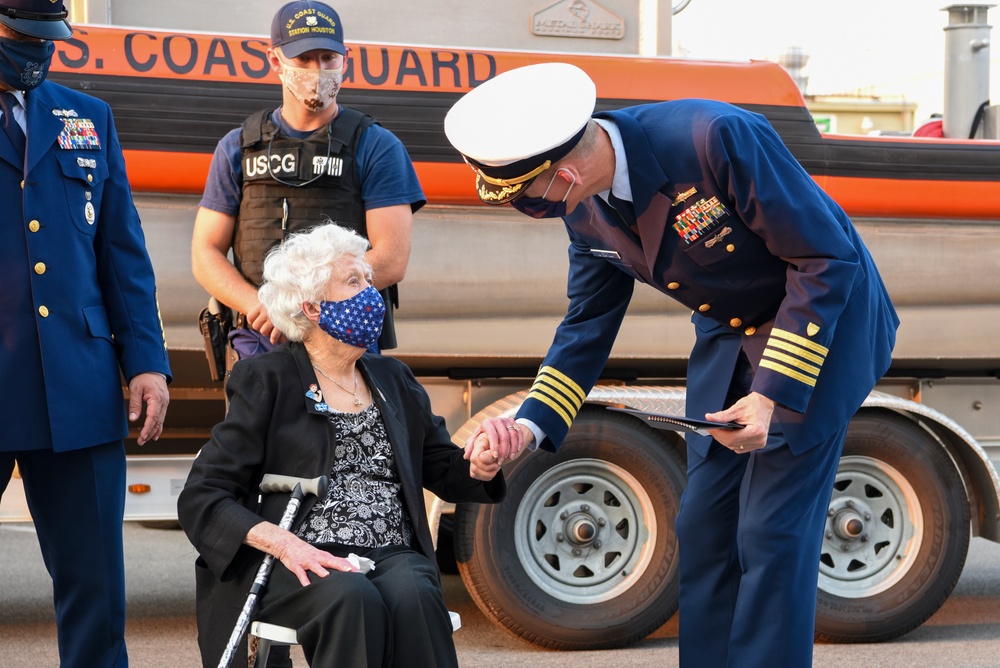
44,19
306,25
518,124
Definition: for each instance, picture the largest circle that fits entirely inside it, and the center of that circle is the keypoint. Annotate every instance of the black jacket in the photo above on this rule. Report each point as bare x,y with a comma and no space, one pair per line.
272,427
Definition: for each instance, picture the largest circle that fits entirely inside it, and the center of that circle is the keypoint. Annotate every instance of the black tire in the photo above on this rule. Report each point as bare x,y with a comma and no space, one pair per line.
897,534
612,492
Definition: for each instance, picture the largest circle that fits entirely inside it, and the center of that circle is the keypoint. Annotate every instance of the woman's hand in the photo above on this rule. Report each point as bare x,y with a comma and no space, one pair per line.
298,556
483,464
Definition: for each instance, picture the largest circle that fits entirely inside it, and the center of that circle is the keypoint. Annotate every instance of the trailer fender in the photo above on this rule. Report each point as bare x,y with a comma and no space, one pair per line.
980,476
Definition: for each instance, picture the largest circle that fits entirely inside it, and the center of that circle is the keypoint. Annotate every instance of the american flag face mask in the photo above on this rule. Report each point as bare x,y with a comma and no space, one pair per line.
356,321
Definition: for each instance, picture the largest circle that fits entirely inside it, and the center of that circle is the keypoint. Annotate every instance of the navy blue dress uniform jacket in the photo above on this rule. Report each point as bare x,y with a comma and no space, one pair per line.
725,221
78,300
273,427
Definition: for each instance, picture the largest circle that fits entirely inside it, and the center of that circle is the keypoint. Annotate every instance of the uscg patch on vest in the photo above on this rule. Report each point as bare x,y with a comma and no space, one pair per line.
283,163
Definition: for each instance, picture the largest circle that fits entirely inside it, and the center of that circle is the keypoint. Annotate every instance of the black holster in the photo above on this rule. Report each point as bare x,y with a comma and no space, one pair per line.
215,321
387,339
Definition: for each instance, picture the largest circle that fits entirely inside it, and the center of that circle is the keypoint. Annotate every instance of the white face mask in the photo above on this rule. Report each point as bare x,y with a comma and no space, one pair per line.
316,89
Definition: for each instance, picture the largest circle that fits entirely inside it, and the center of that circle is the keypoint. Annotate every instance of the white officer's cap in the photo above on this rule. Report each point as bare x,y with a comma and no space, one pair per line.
516,125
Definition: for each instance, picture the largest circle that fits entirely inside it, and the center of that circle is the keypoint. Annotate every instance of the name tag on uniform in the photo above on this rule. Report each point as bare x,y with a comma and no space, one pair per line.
605,254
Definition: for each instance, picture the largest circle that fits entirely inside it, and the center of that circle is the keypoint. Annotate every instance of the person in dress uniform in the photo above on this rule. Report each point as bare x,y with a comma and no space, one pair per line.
701,200
77,313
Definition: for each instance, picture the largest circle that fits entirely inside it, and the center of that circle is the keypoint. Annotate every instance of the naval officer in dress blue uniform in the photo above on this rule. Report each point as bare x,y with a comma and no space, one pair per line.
77,310
793,324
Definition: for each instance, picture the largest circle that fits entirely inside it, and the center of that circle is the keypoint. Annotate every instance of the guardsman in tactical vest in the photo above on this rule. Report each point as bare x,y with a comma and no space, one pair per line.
310,161
793,326
77,313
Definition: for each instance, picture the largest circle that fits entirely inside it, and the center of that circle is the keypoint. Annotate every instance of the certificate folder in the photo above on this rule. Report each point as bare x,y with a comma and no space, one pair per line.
678,422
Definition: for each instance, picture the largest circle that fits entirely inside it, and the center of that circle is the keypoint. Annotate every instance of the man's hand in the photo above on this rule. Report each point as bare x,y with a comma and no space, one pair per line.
506,438
149,390
754,411
259,320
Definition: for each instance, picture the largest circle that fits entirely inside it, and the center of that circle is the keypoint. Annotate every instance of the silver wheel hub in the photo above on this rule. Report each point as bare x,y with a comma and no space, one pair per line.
585,531
873,529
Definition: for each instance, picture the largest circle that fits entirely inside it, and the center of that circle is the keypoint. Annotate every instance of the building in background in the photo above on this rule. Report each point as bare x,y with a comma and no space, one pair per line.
862,115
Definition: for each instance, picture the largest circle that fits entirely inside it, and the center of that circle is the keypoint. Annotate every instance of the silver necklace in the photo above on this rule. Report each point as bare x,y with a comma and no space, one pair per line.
357,399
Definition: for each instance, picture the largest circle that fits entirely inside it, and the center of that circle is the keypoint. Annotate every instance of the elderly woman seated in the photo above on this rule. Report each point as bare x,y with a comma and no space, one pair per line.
319,405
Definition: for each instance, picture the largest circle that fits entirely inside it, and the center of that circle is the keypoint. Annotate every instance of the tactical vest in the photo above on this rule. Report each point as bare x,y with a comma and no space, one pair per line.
293,184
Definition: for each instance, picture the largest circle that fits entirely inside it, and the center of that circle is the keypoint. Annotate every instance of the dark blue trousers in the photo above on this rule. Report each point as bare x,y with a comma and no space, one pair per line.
750,529
77,501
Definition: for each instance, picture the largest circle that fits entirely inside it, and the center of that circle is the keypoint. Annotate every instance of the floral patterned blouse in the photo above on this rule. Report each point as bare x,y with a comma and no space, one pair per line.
364,504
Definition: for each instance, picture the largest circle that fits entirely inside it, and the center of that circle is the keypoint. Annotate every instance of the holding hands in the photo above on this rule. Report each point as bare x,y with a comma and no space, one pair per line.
495,441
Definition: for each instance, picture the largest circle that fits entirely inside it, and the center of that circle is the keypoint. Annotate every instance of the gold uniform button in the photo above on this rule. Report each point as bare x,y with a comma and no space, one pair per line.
39,267
730,248
22,185
34,226
90,177
750,331
704,307
673,285
43,311
735,322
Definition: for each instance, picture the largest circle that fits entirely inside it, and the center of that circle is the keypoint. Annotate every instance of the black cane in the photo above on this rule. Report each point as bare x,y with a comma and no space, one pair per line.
299,487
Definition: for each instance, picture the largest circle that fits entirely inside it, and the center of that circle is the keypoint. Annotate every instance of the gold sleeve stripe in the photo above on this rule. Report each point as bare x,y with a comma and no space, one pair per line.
795,350
799,340
539,396
791,373
557,393
792,361
568,382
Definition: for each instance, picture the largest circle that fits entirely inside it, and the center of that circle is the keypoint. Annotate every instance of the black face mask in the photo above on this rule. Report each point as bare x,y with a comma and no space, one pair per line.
24,64
539,207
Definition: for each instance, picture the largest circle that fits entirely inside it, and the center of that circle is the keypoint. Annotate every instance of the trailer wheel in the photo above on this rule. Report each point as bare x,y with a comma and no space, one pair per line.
582,554
897,533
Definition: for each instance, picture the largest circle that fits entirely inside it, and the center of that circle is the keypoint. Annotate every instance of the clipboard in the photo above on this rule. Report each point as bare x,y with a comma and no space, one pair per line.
678,422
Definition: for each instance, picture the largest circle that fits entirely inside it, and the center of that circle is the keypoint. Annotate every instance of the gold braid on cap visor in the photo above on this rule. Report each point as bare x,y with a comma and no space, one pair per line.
502,196
511,181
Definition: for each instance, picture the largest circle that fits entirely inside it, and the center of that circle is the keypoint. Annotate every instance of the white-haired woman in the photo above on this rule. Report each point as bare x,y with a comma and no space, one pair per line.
320,405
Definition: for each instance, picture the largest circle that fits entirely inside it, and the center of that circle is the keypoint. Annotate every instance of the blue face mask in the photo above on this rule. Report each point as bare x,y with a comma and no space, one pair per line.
24,64
356,321
539,207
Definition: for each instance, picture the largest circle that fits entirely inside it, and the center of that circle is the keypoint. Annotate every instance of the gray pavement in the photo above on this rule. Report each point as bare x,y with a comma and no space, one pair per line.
965,633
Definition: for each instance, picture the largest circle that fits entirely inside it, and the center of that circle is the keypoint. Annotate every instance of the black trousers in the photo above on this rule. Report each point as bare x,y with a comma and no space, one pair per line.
394,615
